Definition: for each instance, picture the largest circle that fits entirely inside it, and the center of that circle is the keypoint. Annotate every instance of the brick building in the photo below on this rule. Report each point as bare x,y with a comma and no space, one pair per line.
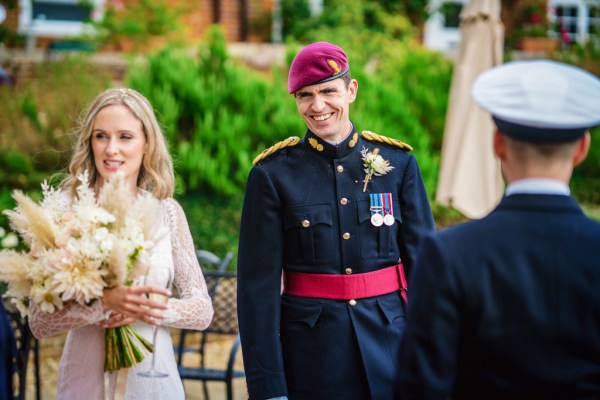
42,22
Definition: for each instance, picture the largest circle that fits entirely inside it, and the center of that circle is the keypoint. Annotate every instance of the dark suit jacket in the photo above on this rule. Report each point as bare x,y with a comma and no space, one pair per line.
507,307
6,355
312,348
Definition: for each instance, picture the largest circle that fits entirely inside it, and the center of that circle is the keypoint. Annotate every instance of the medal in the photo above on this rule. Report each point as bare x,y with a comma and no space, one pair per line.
388,209
377,219
382,211
388,220
376,209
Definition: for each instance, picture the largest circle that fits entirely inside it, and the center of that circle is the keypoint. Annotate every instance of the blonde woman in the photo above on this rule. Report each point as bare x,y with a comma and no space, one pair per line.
119,133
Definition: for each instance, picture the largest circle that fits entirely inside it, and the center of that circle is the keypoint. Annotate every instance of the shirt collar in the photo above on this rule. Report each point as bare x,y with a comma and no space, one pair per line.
538,186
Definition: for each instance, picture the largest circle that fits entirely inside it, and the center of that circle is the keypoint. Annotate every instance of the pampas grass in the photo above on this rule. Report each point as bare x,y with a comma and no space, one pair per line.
12,269
31,222
117,198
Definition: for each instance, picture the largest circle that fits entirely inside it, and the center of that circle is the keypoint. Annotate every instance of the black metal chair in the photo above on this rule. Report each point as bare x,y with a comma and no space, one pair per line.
210,261
25,344
222,287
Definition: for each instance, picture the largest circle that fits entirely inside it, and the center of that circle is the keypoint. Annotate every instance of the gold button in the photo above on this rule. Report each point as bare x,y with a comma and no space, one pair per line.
306,223
348,271
352,302
340,168
346,236
344,201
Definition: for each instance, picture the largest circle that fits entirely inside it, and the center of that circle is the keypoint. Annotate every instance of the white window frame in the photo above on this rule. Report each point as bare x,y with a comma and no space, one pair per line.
437,36
53,28
583,15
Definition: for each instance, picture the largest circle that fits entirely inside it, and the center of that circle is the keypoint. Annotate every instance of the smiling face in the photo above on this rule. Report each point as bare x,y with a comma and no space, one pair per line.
325,108
118,143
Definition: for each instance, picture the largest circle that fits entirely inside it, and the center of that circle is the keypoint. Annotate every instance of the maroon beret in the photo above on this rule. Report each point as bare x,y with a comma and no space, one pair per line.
317,63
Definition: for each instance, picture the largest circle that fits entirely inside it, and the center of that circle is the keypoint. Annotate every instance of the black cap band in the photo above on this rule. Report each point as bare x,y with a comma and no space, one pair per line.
538,135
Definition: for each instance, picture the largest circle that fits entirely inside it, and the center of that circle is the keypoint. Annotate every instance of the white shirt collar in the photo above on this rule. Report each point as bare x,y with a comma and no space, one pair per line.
538,186
336,142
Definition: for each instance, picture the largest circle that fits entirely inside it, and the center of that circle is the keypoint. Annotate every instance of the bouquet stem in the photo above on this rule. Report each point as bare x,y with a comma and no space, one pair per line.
121,348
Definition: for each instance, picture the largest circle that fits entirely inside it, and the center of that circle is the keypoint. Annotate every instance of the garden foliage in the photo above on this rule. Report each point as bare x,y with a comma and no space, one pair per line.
218,114
36,122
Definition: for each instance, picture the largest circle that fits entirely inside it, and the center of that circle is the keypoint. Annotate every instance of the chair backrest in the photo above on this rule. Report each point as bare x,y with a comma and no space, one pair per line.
23,341
223,289
209,260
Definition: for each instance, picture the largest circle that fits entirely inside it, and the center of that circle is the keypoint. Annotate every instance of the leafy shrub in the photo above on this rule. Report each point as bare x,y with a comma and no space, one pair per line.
37,118
214,221
217,115
403,87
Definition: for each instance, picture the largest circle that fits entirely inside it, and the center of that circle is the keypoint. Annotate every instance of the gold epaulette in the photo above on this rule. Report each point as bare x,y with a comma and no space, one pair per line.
378,138
291,141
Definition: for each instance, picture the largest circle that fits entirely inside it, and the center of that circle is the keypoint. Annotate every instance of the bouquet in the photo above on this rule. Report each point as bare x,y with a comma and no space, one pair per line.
76,248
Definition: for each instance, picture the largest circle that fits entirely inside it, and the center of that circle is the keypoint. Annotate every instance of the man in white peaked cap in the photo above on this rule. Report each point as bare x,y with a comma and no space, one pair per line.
509,305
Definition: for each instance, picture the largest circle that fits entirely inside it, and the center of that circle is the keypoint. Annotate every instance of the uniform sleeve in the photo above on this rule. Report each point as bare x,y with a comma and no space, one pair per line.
193,308
429,348
417,219
260,261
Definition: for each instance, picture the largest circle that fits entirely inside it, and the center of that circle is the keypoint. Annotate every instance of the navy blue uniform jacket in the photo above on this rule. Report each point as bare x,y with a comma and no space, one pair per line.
508,306
7,352
310,348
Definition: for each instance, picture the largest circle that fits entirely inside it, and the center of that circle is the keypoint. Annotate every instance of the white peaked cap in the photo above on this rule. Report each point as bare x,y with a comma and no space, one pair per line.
539,100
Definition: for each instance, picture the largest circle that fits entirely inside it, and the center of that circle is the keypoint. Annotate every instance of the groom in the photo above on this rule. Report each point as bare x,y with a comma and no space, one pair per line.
338,240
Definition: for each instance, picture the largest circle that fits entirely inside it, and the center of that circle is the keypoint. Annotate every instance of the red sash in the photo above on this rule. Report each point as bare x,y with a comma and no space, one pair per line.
346,287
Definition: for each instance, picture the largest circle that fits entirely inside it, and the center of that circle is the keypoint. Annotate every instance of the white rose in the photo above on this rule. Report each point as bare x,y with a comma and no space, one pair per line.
379,165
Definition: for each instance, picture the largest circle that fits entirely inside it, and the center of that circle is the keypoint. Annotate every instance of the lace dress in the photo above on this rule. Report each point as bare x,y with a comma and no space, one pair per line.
81,370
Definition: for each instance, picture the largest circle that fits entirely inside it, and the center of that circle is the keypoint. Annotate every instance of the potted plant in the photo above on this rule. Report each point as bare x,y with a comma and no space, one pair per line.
533,33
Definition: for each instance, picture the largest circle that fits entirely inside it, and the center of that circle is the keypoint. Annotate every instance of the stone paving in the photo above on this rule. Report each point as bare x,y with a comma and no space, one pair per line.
217,352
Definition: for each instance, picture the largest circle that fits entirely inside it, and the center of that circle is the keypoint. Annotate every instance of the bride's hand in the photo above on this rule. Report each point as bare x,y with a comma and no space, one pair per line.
115,320
133,303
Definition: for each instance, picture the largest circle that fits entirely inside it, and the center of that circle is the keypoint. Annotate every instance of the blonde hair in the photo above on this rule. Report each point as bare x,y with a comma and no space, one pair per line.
156,173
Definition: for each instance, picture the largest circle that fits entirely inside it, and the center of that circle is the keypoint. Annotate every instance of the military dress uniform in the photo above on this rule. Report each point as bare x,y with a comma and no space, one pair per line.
508,306
305,216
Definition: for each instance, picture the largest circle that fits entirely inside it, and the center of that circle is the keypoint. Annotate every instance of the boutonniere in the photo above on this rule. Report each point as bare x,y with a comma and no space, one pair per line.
374,165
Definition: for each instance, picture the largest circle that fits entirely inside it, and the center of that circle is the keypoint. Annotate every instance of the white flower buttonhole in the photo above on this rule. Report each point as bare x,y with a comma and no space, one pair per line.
374,165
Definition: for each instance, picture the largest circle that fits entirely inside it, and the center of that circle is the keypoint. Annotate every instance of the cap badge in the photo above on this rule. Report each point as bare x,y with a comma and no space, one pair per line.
334,66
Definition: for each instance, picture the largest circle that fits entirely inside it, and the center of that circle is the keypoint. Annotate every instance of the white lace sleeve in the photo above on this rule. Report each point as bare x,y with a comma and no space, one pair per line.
193,309
72,316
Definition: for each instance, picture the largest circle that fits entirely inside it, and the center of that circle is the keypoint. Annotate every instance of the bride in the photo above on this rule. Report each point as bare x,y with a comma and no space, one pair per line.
120,133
